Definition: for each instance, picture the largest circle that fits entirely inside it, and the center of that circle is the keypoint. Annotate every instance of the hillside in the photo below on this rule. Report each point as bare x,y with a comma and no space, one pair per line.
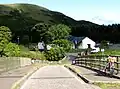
36,13
20,18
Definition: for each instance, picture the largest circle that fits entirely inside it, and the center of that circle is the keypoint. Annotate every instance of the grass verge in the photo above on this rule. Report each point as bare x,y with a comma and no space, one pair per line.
108,85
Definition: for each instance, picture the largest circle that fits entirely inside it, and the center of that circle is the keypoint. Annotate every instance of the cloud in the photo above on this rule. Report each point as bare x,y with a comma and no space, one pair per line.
102,20
107,18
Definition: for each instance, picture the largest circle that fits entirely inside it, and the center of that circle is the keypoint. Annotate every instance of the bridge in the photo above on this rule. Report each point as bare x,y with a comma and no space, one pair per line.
83,74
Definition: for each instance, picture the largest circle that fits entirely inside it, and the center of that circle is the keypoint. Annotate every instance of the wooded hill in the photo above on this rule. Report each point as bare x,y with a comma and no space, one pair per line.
21,18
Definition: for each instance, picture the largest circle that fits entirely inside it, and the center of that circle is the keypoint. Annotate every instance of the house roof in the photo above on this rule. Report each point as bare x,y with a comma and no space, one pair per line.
75,39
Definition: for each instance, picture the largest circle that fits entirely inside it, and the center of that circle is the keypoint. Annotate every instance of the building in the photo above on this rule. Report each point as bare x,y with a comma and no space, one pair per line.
82,42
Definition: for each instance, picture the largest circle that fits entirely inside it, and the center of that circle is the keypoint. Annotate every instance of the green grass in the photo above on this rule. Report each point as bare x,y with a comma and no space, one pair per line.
109,52
108,85
23,48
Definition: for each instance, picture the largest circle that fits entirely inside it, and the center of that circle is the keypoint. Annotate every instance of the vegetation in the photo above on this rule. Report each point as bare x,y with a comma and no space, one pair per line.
109,52
33,23
12,49
55,54
9,49
40,31
65,44
59,31
32,54
108,85
104,44
5,37
58,34
21,18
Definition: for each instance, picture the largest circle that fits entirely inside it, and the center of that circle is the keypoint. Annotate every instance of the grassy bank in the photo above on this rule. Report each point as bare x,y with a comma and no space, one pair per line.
109,52
108,85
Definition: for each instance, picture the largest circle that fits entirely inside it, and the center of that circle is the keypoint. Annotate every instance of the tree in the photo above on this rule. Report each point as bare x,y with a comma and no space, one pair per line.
59,31
5,37
40,32
67,45
45,32
104,44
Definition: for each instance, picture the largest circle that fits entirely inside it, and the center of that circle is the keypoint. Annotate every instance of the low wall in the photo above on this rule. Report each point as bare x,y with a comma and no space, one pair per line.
8,63
25,61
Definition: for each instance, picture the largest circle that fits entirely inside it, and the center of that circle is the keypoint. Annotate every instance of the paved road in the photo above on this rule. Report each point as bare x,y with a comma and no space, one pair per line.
71,56
54,77
7,79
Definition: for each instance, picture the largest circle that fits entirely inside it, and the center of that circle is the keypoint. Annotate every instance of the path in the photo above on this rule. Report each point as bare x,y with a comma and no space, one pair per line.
7,79
54,77
93,76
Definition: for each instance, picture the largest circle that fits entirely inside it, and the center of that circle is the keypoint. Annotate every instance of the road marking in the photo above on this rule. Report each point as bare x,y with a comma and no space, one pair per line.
72,74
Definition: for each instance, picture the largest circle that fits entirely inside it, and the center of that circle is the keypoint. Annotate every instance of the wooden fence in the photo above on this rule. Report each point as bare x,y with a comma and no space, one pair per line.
97,62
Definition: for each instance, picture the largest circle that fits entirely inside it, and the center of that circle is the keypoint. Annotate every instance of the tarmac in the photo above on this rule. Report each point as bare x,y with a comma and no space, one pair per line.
93,76
7,79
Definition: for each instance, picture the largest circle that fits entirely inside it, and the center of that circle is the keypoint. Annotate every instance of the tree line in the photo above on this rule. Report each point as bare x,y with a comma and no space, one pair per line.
98,32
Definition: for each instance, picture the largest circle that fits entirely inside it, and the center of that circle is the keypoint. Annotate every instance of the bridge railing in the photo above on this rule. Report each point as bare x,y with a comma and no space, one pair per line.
8,63
97,62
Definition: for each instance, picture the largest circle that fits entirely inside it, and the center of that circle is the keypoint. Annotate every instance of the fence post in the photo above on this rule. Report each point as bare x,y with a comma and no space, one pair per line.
117,64
94,62
100,63
85,61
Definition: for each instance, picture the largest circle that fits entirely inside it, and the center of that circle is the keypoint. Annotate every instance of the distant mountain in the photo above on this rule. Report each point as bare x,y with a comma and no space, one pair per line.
20,18
36,13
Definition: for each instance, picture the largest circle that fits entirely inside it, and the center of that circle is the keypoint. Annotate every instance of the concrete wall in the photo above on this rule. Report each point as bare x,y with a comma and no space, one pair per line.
25,61
8,63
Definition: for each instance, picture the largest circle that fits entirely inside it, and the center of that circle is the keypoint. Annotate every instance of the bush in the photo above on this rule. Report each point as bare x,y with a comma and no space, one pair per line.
32,54
55,54
12,49
67,45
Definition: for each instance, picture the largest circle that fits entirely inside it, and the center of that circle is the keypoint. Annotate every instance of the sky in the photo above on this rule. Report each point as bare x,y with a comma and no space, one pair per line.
97,11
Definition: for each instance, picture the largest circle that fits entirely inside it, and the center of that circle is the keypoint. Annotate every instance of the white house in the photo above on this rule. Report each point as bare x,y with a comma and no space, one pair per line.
86,42
83,43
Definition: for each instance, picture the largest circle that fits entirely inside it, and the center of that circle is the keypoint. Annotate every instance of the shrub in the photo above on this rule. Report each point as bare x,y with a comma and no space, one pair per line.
67,45
12,49
55,54
32,54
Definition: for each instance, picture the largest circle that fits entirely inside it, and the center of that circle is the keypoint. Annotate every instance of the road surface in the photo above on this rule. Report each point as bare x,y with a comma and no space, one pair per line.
54,77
